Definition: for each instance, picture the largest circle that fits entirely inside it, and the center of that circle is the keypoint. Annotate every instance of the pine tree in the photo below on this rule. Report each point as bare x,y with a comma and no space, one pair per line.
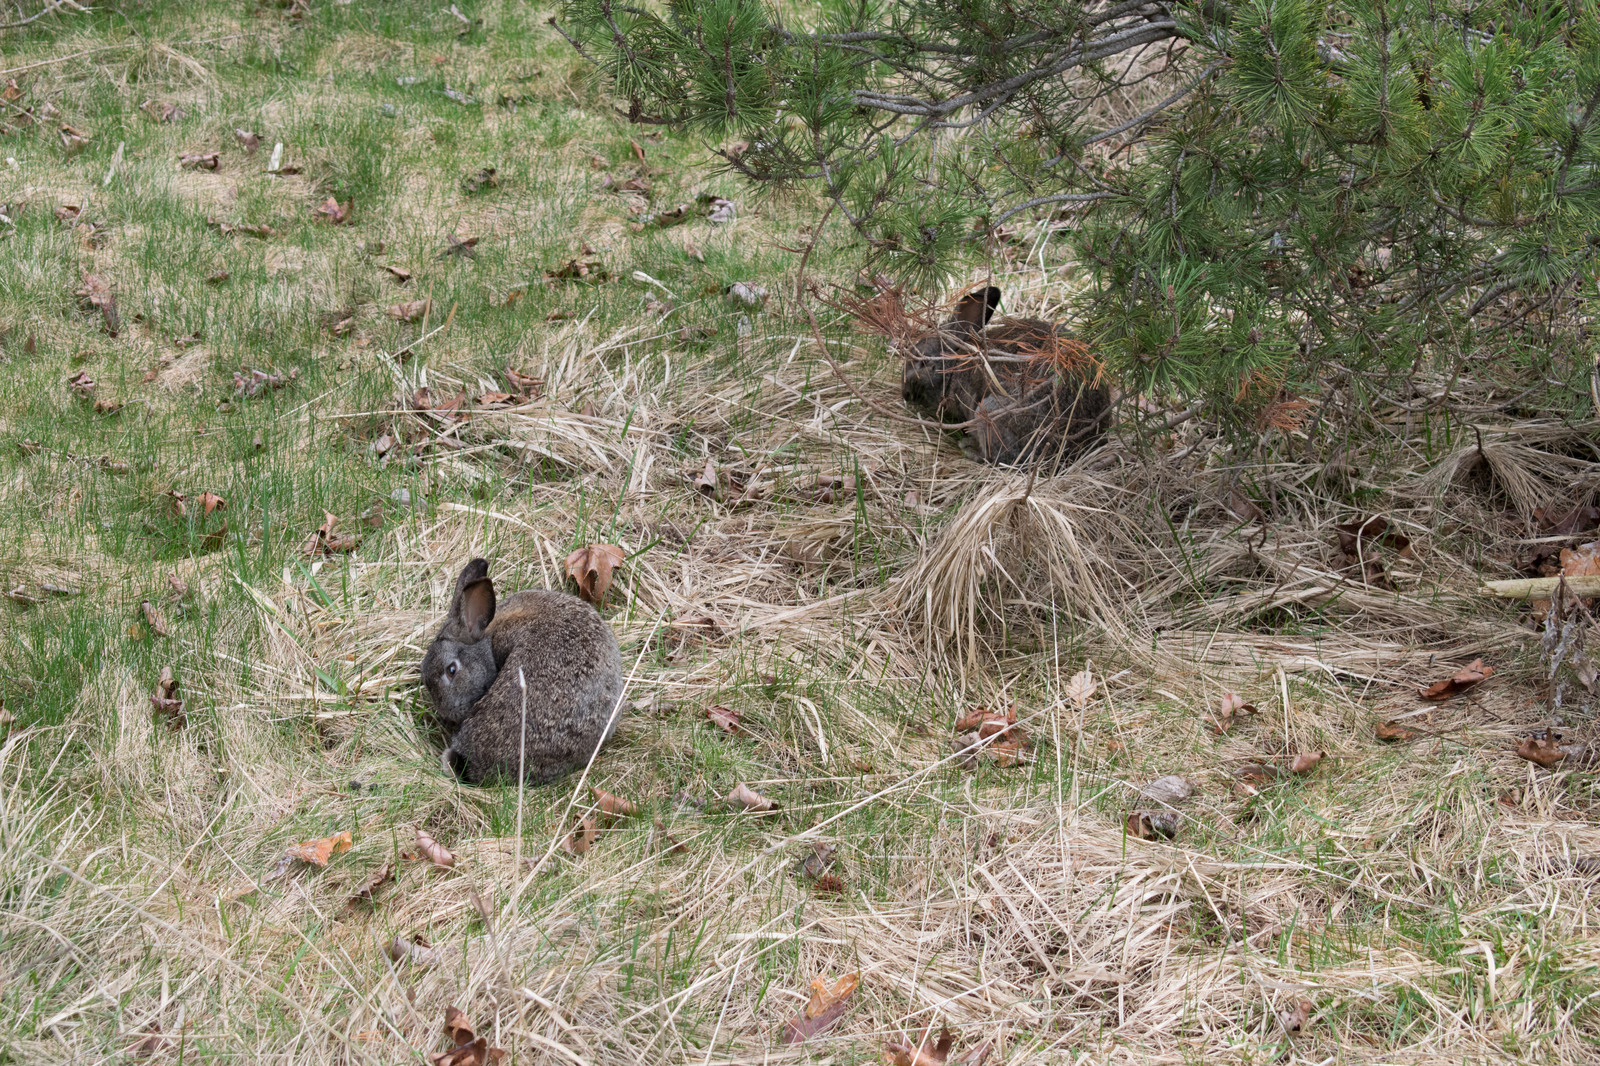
1321,192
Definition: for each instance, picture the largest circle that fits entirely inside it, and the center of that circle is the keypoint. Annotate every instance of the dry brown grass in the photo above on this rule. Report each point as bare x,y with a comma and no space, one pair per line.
1432,900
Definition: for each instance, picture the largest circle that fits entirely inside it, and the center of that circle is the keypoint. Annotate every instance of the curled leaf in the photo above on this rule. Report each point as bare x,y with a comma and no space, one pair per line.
926,1051
615,806
1458,682
415,949
1305,761
380,877
433,851
1392,731
157,620
1541,750
743,796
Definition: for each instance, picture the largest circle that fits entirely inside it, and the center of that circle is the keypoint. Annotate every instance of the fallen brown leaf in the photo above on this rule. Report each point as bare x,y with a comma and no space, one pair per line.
157,620
672,845
1541,750
415,949
1232,705
592,567
318,852
725,719
743,796
250,141
165,699
704,481
582,836
819,861
494,399
252,381
333,212
96,291
1295,1018
1357,537
162,113
1392,731
1458,682
200,160
380,877
615,806
1305,761
150,1043
432,851
469,1050
926,1052
457,1027
326,542
460,247
409,311
1567,523
523,384
73,140
826,1006
211,502
1080,687
483,179
399,274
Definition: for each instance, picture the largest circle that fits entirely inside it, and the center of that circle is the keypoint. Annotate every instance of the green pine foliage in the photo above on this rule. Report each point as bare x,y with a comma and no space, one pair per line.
1315,193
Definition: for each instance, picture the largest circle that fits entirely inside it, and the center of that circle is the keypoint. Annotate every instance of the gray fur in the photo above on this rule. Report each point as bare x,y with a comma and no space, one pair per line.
1023,411
562,648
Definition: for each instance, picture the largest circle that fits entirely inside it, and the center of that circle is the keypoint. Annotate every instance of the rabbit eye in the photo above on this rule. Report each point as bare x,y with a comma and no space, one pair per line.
451,669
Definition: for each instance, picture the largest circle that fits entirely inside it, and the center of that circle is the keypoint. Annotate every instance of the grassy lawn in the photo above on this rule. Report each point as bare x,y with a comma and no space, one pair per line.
451,323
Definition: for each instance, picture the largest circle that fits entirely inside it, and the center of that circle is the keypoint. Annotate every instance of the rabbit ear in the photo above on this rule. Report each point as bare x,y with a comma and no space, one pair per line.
977,307
472,609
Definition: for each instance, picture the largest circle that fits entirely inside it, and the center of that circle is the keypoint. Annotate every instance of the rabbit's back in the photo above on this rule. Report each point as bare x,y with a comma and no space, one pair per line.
568,657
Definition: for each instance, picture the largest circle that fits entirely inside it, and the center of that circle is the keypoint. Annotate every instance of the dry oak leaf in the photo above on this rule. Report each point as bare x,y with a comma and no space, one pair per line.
1392,731
457,1027
1541,750
211,502
581,839
409,311
157,620
705,481
725,719
1458,682
400,274
743,796
926,1052
432,851
200,160
615,806
318,852
1080,689
592,567
826,1006
249,140
1149,825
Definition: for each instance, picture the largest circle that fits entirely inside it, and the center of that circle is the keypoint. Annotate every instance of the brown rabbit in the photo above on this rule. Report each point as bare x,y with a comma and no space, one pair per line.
558,645
1014,381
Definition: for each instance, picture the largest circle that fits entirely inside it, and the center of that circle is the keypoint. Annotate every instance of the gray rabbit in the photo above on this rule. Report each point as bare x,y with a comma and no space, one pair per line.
1015,381
565,652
